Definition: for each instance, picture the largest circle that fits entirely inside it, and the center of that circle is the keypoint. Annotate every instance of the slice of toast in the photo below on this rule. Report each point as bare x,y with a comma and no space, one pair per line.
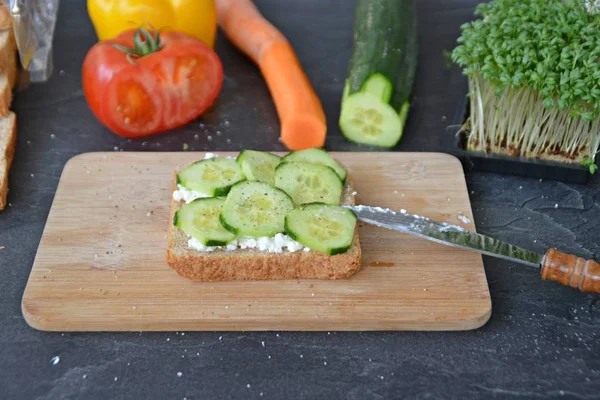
253,264
8,138
8,79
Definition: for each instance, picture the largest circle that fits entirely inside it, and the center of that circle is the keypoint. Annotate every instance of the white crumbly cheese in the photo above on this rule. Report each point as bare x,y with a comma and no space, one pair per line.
464,218
187,195
278,244
208,156
196,245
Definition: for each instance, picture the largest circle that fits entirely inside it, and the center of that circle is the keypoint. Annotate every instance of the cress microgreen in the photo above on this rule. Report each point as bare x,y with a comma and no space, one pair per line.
534,77
590,164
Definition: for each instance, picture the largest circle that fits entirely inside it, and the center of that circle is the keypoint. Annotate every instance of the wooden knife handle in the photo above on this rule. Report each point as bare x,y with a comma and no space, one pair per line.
570,270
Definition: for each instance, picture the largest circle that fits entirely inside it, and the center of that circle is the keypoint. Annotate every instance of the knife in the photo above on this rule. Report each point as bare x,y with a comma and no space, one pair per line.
556,266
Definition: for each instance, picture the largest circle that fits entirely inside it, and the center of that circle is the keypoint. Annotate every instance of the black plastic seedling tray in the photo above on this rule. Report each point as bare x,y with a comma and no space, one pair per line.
503,164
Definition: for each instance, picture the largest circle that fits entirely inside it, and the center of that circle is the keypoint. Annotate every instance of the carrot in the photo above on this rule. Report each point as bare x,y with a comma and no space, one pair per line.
300,112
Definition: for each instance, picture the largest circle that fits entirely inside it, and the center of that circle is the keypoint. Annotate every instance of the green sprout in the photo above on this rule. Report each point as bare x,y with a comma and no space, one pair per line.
534,78
590,164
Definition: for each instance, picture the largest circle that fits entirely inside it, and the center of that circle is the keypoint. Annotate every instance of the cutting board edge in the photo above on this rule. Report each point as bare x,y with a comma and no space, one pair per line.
475,321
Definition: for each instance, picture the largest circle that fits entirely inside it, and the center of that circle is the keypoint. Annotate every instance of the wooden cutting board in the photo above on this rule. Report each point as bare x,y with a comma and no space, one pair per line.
101,263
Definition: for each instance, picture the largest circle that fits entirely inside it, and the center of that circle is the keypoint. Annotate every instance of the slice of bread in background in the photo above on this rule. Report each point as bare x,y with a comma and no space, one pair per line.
5,17
8,138
252,264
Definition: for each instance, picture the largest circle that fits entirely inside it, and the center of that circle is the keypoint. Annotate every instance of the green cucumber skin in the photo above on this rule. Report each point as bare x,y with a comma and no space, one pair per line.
215,243
385,42
230,228
222,192
377,38
405,81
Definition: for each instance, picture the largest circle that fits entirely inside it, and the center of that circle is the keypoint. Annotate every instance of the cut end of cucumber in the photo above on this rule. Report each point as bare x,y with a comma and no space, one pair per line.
379,86
366,119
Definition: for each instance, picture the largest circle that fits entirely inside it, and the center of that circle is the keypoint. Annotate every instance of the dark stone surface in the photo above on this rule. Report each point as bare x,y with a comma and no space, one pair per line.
542,339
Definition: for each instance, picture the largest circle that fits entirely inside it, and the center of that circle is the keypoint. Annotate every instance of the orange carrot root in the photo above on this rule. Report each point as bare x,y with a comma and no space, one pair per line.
300,112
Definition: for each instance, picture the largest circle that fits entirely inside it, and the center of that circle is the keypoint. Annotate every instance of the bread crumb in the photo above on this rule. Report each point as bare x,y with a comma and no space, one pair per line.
179,374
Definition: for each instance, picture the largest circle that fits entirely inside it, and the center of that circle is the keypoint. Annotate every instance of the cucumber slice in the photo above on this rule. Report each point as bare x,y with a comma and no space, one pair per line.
366,119
379,86
316,156
258,166
328,229
200,220
214,176
309,183
255,209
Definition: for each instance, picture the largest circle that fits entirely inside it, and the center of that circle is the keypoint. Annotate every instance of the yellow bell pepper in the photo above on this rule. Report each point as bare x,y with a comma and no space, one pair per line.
197,18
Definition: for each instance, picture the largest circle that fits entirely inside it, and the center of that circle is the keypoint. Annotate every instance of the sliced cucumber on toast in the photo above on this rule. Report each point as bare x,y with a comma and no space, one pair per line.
213,177
255,209
316,156
309,183
328,229
200,220
258,166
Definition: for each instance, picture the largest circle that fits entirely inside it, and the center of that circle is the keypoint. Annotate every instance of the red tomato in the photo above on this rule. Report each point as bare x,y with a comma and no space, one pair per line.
141,96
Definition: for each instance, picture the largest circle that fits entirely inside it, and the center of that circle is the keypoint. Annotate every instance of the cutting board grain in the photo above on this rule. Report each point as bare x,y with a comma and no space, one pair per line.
101,263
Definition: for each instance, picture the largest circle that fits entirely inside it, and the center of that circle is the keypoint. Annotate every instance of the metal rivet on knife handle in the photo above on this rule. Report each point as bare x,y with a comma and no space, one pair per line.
570,270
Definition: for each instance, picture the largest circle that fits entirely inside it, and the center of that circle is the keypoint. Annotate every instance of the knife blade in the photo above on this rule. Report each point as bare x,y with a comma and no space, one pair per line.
554,265
441,232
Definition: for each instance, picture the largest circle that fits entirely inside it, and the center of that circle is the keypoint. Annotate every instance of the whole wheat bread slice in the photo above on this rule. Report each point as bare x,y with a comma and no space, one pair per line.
8,138
252,264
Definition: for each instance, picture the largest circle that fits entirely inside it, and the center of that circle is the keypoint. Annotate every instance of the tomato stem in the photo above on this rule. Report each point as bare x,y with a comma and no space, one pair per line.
144,43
